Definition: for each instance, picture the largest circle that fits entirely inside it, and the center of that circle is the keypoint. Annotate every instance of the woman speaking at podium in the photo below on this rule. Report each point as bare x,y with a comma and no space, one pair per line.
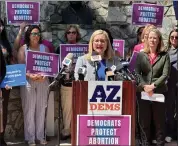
153,66
104,56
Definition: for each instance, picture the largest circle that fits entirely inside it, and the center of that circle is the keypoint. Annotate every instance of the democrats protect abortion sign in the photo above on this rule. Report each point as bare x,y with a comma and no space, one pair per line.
46,64
100,130
18,12
143,14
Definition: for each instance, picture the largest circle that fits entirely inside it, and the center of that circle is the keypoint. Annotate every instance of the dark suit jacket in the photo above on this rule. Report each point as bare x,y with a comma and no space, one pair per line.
2,66
157,73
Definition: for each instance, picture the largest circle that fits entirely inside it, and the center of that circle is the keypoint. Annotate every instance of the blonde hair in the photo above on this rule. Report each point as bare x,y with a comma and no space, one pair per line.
109,52
147,28
160,47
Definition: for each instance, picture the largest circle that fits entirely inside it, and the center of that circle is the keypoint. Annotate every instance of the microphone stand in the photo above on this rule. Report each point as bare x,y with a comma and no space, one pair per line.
59,115
54,87
96,67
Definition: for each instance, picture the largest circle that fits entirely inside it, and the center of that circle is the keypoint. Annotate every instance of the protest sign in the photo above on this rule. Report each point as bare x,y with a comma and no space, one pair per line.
103,130
132,62
18,12
76,49
143,14
105,98
118,45
15,75
43,63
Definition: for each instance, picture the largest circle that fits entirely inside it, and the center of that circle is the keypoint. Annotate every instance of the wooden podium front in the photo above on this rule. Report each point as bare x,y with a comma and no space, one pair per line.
79,105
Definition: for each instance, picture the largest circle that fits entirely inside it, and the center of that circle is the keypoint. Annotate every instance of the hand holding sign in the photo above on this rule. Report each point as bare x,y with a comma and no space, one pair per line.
8,87
40,78
36,77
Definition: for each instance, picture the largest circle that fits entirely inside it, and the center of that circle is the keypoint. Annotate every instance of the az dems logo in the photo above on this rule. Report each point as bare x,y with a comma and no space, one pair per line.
105,97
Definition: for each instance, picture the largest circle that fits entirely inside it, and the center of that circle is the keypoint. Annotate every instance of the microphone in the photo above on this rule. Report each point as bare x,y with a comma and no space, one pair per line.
109,74
55,84
64,71
95,58
67,62
122,72
82,72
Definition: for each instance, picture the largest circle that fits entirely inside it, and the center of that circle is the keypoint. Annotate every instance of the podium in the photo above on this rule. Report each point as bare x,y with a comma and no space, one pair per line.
79,105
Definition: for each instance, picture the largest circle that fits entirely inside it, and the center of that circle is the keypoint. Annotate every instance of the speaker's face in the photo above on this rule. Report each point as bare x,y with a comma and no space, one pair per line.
100,44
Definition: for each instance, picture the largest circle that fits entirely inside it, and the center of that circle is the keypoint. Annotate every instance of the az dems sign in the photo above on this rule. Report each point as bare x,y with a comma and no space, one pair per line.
105,98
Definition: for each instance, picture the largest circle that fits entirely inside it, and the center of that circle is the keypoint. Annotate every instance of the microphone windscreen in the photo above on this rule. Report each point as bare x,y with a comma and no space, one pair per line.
69,56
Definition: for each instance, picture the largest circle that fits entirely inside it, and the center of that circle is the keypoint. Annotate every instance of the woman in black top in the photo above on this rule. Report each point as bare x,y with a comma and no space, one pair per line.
2,67
7,55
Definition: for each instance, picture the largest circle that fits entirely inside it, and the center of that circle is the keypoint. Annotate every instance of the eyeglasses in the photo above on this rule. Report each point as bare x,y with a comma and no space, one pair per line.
174,37
101,41
71,32
35,33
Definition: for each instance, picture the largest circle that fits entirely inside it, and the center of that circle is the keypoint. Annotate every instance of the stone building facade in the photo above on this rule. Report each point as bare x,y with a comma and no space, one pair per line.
113,15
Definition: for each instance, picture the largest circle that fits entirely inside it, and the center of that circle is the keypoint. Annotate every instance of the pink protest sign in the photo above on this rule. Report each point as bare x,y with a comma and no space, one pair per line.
118,45
76,49
18,12
102,130
43,63
143,14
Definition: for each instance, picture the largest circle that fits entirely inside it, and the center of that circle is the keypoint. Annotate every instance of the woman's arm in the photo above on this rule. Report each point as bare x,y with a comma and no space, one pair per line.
139,71
21,55
165,74
18,38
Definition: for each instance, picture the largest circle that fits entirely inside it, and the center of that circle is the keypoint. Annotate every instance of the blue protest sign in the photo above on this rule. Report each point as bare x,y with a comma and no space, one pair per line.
15,75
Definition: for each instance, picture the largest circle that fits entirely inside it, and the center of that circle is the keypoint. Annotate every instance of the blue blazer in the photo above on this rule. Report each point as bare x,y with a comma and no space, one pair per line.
90,75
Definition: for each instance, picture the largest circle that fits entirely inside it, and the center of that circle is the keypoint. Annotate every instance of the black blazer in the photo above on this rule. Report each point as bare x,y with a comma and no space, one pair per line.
2,66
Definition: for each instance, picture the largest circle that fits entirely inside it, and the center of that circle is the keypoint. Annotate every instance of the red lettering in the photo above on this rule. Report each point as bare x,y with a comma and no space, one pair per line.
93,106
104,106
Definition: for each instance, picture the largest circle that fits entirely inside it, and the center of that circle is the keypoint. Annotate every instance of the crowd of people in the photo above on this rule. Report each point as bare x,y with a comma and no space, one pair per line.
156,66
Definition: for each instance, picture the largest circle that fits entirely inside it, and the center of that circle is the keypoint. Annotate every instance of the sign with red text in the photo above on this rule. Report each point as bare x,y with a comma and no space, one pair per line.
46,64
143,14
105,98
18,12
100,130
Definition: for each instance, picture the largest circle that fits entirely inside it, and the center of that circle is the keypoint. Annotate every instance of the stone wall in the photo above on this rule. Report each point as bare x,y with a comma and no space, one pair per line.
114,15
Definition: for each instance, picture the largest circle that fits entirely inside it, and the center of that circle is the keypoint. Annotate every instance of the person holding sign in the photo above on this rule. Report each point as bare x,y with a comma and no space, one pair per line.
72,36
34,94
7,55
171,94
153,67
100,45
19,40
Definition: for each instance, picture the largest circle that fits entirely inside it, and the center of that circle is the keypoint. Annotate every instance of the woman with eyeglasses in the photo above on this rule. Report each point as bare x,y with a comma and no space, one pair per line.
72,36
19,41
8,58
171,95
34,94
99,44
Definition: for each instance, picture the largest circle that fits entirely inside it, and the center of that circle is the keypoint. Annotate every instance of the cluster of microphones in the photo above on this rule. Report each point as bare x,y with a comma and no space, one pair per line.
114,73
